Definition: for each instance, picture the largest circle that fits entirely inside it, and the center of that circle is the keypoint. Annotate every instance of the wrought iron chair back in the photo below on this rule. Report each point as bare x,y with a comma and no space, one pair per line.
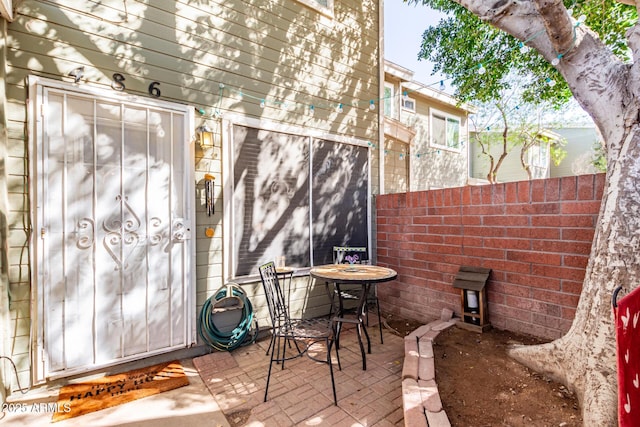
278,309
350,254
302,332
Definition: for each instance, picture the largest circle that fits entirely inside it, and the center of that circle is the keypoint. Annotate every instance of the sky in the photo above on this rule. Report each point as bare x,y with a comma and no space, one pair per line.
403,28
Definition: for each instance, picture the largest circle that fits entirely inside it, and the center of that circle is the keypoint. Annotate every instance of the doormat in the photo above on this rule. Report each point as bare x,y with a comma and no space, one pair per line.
82,398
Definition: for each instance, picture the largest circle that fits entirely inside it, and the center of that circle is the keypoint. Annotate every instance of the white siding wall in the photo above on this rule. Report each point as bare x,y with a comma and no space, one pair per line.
580,152
579,147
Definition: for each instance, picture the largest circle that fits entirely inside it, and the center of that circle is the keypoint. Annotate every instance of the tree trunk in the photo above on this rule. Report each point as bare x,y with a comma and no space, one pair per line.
585,358
491,176
609,90
523,163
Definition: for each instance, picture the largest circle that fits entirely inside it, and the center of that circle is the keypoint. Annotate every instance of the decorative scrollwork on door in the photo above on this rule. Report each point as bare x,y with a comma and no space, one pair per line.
122,234
86,233
155,231
181,230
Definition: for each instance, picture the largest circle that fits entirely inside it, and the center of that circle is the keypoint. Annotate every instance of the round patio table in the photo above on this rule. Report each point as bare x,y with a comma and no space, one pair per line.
356,274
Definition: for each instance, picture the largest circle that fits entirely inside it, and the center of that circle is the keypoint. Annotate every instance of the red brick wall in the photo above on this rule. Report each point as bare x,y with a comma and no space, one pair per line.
535,236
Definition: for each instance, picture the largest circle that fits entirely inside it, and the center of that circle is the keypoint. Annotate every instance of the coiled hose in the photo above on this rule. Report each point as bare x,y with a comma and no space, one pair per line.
227,341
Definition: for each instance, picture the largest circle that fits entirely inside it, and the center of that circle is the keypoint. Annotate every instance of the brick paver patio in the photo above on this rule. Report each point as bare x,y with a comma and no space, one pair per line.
300,395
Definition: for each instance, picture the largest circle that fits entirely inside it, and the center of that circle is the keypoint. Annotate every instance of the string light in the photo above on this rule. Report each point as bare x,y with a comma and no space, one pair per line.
312,109
523,48
218,111
372,105
436,152
550,82
442,86
516,108
340,109
481,69
262,103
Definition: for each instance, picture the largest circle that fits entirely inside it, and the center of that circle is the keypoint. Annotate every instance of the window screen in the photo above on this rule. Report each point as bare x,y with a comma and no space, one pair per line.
270,199
340,198
445,131
279,208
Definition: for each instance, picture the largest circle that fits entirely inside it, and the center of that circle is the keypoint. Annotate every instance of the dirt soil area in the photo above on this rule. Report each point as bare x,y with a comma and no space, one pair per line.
481,386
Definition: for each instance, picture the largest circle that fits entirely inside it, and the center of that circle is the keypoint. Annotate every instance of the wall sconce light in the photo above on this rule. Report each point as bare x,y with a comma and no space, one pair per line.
205,135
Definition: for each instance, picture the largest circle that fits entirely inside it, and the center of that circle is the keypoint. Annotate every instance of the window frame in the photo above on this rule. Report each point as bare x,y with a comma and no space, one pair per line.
6,9
534,156
389,100
314,4
447,117
229,217
410,100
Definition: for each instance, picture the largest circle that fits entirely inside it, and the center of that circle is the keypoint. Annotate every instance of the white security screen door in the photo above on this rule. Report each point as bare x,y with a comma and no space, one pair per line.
112,229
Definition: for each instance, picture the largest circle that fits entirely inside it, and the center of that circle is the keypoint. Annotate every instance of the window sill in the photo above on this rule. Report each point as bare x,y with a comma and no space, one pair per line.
326,11
445,148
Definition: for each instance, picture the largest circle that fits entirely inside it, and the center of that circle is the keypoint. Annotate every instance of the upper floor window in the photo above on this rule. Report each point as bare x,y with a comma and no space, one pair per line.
389,100
539,160
409,104
324,6
445,131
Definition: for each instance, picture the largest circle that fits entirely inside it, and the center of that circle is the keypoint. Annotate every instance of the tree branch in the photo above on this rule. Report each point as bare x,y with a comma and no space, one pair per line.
633,41
505,134
557,24
591,70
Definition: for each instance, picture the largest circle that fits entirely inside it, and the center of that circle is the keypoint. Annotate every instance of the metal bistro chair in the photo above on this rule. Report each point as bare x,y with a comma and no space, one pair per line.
283,275
356,255
303,332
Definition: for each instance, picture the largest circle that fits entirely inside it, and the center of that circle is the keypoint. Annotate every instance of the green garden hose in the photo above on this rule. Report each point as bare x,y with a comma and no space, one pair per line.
230,295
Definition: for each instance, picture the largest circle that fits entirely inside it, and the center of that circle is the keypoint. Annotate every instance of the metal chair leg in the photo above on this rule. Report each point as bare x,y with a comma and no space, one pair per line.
266,389
273,337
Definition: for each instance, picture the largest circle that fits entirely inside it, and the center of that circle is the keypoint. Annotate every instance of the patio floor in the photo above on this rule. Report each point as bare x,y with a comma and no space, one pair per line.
232,383
300,395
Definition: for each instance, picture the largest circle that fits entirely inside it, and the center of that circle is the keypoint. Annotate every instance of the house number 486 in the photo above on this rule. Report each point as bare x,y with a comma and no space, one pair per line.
118,84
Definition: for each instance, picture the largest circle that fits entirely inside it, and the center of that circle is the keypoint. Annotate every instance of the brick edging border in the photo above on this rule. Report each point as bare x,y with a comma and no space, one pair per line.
420,398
